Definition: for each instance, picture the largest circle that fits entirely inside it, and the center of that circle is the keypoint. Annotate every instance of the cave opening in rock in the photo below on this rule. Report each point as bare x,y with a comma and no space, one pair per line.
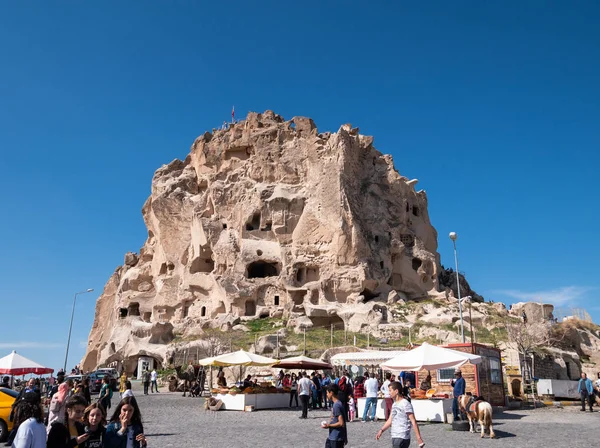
276,300
329,321
416,263
312,274
415,210
368,295
147,316
205,265
134,309
250,308
122,313
163,269
297,296
262,269
407,239
267,227
254,222
185,310
203,311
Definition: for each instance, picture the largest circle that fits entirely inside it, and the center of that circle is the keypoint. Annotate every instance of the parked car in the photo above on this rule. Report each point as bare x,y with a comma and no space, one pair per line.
76,378
96,381
7,398
111,370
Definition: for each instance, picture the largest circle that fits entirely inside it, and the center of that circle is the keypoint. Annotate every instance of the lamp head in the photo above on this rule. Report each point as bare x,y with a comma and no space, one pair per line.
90,290
453,236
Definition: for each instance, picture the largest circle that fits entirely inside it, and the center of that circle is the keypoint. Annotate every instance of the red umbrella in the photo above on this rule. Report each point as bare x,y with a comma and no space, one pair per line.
15,364
302,362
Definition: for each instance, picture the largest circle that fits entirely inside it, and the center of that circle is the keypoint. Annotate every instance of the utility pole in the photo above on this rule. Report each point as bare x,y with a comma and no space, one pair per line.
304,330
331,338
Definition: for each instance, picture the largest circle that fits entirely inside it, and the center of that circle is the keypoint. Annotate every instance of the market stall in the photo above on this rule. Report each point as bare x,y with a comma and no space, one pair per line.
426,410
357,362
303,363
263,396
428,405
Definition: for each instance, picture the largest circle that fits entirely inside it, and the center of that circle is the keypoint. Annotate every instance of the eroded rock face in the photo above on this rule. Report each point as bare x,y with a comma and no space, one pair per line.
269,218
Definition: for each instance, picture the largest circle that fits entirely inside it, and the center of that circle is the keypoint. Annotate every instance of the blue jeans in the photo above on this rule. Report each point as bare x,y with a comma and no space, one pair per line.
455,408
371,401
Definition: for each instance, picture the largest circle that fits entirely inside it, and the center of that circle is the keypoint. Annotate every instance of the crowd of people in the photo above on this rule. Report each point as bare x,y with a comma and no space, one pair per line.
73,419
341,394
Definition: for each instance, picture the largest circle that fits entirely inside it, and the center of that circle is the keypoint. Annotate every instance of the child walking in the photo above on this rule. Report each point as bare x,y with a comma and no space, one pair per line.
401,419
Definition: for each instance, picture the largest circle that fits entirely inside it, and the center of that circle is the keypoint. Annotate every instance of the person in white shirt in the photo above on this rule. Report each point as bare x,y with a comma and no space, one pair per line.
371,390
401,420
31,432
385,390
304,393
128,392
153,378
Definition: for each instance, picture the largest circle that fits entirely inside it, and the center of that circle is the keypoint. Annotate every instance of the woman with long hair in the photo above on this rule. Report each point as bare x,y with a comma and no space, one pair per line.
84,390
105,395
293,389
94,419
30,420
71,433
56,410
125,429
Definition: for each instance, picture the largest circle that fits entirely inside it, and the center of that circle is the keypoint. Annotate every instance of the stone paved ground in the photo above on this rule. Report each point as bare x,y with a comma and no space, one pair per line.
173,421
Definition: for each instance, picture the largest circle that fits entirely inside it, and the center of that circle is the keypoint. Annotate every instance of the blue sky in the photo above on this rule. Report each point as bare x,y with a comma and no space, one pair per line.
493,106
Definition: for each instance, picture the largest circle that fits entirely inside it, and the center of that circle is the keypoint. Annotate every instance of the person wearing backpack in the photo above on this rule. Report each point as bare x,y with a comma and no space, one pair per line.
106,393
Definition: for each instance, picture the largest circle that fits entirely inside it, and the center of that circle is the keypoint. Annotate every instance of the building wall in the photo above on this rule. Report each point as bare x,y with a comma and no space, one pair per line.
478,377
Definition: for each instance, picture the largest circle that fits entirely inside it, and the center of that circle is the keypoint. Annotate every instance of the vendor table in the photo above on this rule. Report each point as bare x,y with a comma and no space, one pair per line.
239,402
429,410
432,409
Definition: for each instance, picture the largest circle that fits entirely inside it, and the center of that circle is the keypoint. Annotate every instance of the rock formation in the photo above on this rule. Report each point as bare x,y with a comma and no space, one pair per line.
268,217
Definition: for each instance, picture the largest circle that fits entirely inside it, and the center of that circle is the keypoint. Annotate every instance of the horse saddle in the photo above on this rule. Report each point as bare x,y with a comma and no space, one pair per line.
472,407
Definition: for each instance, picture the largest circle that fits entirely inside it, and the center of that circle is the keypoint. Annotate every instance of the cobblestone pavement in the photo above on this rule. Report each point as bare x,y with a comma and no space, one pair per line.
173,421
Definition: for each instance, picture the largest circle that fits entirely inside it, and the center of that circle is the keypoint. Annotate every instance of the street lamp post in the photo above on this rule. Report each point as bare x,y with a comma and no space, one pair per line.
71,325
453,237
469,300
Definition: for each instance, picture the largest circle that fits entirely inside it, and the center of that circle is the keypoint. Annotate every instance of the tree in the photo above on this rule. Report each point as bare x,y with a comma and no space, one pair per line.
215,342
531,337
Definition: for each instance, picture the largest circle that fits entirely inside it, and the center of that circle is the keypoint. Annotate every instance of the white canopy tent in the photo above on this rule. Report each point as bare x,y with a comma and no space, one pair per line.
364,358
430,357
239,358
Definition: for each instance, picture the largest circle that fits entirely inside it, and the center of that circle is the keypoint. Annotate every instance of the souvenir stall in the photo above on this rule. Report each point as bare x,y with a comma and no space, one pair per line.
356,363
261,396
430,405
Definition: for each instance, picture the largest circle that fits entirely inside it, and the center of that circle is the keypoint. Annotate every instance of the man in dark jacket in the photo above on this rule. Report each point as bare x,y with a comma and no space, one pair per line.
317,382
459,388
